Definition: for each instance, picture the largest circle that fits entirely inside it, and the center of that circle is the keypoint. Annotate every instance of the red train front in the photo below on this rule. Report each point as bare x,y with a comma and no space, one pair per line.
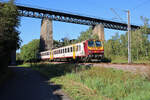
94,49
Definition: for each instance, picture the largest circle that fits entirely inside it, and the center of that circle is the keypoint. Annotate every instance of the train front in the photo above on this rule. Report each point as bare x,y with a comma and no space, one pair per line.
94,49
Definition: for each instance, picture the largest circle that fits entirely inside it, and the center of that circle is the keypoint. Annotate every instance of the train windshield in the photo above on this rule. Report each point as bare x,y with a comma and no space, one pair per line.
98,43
91,43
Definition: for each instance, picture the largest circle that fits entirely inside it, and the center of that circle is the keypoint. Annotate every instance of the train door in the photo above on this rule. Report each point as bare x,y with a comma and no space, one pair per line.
74,54
51,55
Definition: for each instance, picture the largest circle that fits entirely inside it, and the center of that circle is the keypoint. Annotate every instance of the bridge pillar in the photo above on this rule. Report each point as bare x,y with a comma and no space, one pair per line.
99,30
46,35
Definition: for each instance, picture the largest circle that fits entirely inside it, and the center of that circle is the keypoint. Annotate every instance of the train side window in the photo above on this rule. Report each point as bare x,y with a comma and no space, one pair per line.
71,49
63,50
68,50
56,52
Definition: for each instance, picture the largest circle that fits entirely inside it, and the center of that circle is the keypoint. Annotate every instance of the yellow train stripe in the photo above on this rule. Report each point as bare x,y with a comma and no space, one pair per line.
51,55
74,54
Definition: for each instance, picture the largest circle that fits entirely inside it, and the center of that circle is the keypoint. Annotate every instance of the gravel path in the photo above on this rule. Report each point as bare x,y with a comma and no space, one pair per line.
30,85
139,68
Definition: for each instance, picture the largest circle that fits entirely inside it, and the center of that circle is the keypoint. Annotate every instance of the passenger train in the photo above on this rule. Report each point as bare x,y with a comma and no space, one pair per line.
87,50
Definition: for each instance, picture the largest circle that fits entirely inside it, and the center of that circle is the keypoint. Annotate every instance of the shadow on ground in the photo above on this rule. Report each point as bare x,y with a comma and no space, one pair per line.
55,70
29,85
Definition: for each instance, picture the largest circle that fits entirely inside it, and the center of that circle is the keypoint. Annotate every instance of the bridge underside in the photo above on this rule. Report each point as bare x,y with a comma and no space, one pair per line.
71,18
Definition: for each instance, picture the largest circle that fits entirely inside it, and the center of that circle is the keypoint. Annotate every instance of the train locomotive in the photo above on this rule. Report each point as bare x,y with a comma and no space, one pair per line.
87,50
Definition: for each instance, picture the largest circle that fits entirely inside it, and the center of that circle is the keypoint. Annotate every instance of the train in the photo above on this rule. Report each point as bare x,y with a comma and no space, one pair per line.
87,50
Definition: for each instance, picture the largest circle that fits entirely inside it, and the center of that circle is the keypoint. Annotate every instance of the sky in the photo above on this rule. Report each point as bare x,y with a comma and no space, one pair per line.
30,27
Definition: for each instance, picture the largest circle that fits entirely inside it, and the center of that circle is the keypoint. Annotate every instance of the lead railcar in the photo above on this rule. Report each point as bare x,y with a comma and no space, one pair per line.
84,51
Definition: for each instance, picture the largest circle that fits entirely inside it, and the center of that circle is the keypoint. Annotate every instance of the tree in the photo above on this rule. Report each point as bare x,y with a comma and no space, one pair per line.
140,44
18,58
30,51
86,35
9,34
65,41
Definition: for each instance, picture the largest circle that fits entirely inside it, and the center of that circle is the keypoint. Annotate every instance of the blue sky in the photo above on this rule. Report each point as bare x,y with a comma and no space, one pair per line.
30,27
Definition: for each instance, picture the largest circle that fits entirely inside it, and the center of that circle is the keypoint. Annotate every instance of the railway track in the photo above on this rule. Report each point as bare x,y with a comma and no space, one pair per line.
143,69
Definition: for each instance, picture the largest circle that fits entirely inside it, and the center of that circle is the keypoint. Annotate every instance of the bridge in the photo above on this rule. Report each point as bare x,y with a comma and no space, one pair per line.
46,36
71,18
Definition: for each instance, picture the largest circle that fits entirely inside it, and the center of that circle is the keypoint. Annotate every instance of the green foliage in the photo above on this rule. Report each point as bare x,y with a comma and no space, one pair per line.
83,36
9,34
56,44
117,46
9,22
97,83
65,41
117,85
86,35
18,57
30,51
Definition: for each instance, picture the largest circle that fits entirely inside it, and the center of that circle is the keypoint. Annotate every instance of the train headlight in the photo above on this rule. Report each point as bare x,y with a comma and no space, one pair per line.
102,51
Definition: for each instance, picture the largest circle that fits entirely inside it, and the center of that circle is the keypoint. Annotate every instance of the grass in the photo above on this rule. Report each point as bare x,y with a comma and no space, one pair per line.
142,62
24,65
124,60
97,83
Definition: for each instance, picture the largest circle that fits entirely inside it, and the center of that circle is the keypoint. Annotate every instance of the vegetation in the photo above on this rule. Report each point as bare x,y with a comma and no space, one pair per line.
117,46
9,34
30,51
86,35
97,83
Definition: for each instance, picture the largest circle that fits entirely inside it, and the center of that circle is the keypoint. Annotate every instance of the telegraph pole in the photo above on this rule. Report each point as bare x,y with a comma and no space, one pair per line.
129,37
